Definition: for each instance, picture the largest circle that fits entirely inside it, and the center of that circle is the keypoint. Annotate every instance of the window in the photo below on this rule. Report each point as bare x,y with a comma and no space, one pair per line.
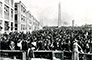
6,12
16,16
16,28
1,25
30,27
15,9
15,6
11,26
6,28
12,3
6,1
11,14
23,10
1,22
30,22
22,18
23,27
0,9
16,25
30,16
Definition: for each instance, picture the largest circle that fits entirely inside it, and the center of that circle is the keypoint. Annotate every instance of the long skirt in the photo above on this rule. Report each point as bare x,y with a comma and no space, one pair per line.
75,56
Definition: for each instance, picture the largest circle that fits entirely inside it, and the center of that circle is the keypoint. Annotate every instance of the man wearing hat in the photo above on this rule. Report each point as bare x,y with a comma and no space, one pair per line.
76,46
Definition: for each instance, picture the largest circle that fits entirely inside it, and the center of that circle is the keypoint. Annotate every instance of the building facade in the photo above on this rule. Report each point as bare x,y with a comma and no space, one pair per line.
24,21
15,17
6,16
29,22
32,23
20,17
36,24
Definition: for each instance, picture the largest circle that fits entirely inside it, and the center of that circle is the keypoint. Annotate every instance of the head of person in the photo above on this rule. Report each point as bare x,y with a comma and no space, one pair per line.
75,41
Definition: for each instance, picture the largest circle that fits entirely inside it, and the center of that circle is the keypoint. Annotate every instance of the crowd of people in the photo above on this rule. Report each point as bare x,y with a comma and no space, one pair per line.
47,39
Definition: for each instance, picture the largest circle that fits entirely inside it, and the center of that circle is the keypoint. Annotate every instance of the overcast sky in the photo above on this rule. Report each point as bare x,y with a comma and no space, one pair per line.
46,11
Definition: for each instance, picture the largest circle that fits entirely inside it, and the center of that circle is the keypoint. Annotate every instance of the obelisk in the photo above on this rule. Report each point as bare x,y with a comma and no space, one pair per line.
59,15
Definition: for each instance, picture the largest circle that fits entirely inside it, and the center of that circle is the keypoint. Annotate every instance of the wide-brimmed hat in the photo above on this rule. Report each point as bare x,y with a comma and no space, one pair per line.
75,41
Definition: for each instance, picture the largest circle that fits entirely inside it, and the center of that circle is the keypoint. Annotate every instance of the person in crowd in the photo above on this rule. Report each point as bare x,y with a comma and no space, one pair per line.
87,47
30,53
76,48
12,45
24,45
19,44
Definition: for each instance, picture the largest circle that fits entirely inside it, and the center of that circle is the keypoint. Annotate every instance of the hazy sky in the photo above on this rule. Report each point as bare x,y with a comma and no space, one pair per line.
46,11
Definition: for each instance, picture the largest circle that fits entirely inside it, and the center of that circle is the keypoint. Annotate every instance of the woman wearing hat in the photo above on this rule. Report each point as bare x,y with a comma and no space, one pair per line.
76,46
